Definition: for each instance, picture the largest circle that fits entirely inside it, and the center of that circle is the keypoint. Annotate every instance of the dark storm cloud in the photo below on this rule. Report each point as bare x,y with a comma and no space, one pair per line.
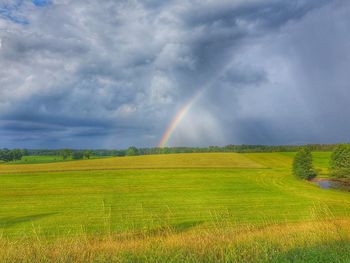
114,73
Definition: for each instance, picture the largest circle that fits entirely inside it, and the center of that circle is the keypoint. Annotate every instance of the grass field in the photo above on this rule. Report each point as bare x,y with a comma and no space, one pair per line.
187,207
43,159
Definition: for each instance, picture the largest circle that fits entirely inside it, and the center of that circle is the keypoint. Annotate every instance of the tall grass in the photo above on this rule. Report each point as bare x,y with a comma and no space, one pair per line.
321,240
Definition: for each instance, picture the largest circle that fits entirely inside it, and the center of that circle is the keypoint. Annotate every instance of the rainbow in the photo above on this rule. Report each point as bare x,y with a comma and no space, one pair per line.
180,115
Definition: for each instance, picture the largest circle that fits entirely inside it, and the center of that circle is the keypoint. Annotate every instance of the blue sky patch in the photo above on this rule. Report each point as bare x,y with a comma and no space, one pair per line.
41,2
8,11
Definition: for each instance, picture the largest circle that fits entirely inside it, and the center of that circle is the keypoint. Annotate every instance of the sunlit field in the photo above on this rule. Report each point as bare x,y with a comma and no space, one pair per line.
176,207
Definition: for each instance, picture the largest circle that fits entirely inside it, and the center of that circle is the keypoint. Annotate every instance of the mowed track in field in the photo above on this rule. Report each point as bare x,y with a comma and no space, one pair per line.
150,192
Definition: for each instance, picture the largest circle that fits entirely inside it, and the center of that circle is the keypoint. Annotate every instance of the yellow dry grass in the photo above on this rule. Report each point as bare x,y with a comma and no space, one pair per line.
221,243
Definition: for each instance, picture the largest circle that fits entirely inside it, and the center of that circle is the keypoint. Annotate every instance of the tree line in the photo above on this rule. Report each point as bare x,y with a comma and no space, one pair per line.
243,148
7,155
168,150
76,154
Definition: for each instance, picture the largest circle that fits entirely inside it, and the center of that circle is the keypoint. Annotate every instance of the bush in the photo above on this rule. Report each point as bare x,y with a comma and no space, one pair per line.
302,165
340,161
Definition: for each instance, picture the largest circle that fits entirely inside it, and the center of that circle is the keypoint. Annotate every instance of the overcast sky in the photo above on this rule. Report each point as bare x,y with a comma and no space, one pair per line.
110,74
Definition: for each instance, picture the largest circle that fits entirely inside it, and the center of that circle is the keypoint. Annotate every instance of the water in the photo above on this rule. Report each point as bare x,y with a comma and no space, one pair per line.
333,184
325,184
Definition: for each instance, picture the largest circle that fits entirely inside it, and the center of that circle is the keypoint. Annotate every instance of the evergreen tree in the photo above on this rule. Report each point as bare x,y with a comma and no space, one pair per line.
302,165
340,161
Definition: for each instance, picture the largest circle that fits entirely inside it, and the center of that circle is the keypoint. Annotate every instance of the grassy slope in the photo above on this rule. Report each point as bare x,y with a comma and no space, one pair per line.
254,189
136,198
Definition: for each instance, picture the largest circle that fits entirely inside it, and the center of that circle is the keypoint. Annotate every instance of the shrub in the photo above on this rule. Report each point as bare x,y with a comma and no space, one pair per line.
302,165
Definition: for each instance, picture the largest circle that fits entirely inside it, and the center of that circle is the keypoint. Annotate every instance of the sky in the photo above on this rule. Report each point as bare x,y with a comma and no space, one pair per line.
111,74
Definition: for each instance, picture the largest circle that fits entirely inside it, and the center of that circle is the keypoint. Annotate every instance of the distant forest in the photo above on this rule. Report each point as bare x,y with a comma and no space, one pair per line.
169,150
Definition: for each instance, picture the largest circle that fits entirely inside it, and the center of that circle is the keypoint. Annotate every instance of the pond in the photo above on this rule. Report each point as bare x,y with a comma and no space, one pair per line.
326,183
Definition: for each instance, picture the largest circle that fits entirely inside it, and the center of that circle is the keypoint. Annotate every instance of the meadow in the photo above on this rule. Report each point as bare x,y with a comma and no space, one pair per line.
226,207
43,159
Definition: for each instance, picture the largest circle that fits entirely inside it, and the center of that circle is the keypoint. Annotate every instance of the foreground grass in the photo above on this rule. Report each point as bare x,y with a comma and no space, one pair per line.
171,208
323,241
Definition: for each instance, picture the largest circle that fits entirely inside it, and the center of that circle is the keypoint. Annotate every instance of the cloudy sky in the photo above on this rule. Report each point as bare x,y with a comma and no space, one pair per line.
110,74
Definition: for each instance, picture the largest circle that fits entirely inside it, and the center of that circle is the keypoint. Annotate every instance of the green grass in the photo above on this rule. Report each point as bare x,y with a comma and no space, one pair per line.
38,159
148,194
43,159
135,199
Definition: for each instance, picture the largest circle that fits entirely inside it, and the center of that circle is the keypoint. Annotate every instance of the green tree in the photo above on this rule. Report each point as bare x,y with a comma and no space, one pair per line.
132,151
16,154
302,164
88,154
65,153
25,152
340,161
7,155
77,155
